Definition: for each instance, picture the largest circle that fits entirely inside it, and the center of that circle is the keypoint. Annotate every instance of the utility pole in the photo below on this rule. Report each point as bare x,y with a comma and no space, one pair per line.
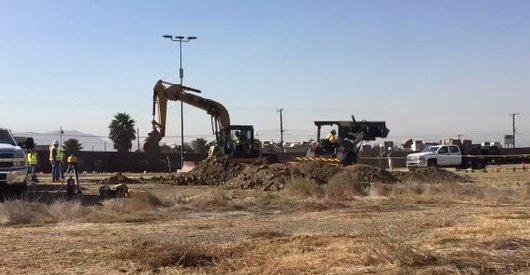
105,146
281,127
513,115
138,137
180,39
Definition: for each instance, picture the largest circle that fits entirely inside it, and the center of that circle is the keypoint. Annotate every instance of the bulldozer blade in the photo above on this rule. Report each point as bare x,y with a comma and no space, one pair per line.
317,159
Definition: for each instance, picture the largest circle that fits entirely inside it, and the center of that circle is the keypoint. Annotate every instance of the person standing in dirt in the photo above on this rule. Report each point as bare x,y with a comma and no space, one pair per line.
54,161
60,159
32,165
390,155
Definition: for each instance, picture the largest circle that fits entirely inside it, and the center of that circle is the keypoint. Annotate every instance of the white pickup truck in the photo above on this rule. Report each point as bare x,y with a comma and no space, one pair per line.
475,157
433,156
13,166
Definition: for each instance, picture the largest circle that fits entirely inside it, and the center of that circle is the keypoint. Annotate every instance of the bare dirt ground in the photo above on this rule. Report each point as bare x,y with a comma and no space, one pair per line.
482,226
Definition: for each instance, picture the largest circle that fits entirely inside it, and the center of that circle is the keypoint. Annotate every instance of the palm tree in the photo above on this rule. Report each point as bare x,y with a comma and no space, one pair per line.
122,132
72,147
200,146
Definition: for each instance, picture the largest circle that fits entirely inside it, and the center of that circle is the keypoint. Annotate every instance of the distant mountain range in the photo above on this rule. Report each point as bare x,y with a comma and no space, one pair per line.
88,141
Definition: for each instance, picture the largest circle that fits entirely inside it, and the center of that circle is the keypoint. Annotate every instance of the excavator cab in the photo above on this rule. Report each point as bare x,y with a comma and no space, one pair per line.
242,141
350,135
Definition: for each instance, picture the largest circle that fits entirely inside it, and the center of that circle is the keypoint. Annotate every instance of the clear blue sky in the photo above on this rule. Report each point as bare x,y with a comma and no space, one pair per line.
429,68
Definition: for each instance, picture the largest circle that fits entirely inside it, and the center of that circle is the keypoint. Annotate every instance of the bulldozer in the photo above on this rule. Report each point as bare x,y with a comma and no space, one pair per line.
351,134
236,141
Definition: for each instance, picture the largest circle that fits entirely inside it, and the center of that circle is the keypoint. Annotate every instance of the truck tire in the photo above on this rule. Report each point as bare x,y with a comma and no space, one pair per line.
432,163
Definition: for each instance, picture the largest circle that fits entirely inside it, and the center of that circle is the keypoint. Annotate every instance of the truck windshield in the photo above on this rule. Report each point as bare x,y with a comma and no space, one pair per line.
6,138
430,149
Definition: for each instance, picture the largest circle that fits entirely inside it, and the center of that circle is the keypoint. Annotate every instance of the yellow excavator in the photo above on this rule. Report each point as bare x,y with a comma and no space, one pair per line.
232,140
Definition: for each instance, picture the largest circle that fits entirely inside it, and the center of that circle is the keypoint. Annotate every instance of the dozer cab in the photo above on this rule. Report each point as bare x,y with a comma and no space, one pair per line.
230,140
351,134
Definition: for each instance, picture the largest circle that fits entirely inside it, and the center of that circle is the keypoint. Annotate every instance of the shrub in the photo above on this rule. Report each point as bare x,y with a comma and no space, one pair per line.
303,187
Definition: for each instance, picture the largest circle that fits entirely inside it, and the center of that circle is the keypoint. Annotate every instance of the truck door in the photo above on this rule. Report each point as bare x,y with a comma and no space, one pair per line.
443,156
456,155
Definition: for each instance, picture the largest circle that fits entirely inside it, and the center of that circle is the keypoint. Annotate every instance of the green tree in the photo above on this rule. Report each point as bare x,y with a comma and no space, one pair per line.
200,146
122,132
72,147
187,148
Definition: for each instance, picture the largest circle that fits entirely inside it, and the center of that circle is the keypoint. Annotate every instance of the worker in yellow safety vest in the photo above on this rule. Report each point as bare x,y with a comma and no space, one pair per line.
32,165
332,137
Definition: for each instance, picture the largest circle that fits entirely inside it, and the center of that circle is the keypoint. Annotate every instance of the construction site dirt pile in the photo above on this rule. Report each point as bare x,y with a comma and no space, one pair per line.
356,180
208,172
264,177
119,178
320,172
366,174
431,175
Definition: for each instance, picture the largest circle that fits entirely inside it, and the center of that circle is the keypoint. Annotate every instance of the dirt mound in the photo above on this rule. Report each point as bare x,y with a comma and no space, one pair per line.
355,180
431,175
208,172
119,178
264,177
320,172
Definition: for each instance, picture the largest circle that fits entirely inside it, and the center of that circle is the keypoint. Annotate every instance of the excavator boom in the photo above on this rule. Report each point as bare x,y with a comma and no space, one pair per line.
164,91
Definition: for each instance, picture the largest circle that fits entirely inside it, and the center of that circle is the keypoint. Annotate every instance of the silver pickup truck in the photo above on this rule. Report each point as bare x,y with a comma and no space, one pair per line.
13,165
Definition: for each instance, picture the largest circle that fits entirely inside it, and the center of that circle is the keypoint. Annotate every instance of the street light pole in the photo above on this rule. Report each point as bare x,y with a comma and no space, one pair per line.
181,75
513,115
181,39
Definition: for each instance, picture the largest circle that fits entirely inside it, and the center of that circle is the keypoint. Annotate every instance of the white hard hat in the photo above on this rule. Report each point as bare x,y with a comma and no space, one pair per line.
55,142
390,148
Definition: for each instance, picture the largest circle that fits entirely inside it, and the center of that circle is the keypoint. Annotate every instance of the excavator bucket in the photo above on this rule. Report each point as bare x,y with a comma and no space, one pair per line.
152,142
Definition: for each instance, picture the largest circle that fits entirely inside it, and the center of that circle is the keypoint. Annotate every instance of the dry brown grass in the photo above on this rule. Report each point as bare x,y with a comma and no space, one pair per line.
527,193
25,212
449,193
410,228
155,255
347,187
137,208
303,187
21,212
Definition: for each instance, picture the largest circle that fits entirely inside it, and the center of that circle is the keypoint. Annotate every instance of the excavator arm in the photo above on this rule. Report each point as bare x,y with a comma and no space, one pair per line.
164,91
